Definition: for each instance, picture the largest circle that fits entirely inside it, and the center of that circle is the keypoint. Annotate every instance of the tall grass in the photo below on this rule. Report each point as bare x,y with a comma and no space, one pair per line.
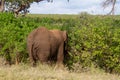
45,72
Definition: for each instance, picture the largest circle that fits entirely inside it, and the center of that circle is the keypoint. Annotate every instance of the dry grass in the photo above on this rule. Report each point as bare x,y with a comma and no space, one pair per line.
45,72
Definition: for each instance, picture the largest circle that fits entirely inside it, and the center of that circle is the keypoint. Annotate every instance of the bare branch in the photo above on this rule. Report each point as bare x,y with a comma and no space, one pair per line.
110,2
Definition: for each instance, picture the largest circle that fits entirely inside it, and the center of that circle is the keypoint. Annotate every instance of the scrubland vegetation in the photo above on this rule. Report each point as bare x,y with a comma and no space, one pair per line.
94,41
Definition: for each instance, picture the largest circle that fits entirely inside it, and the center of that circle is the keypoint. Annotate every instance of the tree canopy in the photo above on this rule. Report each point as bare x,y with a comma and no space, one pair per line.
17,6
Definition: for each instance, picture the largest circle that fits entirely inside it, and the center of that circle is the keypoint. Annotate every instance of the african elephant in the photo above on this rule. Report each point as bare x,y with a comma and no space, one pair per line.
46,45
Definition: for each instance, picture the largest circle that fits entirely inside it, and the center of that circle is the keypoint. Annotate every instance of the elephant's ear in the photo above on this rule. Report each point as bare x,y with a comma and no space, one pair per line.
65,35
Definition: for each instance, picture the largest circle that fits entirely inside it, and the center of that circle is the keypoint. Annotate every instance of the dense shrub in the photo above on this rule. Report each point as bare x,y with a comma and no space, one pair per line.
93,40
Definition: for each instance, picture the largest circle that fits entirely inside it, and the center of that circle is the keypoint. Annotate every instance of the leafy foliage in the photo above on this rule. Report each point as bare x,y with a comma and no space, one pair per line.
93,40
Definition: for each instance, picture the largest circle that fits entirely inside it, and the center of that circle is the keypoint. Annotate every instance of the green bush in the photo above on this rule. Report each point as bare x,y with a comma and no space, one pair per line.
93,40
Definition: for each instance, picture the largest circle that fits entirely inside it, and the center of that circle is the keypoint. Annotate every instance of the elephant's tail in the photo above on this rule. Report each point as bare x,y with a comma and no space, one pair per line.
33,50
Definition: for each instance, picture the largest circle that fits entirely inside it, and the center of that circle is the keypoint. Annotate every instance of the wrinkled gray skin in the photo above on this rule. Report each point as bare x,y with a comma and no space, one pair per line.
46,45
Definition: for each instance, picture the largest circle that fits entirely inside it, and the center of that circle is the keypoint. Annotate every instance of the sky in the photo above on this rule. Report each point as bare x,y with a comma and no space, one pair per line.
71,7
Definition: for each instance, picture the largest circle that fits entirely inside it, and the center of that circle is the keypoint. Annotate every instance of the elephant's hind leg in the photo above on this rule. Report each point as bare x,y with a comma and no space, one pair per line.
60,57
32,56
32,61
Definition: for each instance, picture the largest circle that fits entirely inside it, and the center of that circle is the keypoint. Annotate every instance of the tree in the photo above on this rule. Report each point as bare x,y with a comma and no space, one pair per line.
17,6
106,3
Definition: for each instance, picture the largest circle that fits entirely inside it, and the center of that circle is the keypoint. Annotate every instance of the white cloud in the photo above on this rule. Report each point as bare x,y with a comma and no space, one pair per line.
72,7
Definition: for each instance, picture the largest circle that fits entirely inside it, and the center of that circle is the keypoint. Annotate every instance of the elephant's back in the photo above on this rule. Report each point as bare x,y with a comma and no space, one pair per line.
42,34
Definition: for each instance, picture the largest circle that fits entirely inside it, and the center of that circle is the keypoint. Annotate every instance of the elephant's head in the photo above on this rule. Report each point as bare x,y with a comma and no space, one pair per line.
65,36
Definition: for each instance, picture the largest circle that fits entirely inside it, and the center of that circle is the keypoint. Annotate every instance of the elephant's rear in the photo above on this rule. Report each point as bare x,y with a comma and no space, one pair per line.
41,38
41,48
